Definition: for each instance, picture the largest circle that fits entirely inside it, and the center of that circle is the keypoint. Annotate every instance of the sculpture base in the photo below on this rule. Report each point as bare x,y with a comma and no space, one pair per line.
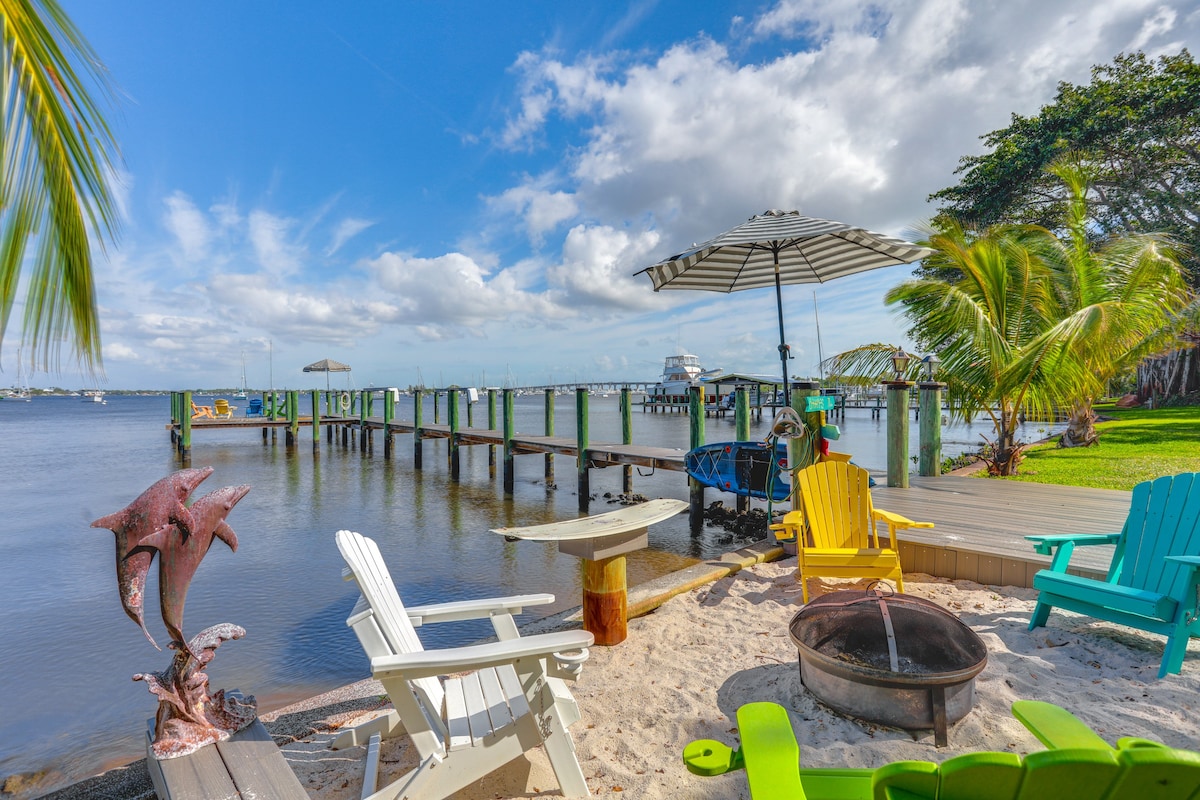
188,717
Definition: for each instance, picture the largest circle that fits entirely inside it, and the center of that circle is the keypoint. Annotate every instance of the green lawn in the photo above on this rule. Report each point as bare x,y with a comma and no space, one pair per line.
1136,445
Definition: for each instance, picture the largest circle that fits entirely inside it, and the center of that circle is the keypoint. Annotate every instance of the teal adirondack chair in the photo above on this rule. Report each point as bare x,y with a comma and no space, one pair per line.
1153,583
1078,766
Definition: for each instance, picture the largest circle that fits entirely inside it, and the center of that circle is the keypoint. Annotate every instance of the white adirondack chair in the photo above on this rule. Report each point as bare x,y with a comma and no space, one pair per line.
512,699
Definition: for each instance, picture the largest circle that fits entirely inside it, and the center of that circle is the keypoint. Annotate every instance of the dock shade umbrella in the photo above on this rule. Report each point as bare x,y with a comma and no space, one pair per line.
327,365
778,247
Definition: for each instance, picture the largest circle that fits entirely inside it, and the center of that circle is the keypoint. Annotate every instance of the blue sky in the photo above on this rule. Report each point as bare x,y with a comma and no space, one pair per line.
461,192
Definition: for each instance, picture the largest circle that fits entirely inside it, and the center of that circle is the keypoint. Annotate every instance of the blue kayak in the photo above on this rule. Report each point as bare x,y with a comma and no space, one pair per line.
742,468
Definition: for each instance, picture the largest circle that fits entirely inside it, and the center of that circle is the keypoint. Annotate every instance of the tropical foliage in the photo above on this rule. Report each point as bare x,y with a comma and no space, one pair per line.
55,167
1029,323
1136,127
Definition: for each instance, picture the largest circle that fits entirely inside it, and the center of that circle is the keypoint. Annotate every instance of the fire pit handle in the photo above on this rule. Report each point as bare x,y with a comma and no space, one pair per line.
878,586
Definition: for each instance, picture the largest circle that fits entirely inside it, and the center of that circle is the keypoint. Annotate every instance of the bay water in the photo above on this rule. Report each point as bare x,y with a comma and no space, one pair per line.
69,652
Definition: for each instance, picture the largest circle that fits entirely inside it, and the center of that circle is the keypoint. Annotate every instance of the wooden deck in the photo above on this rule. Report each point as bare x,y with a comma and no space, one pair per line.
981,525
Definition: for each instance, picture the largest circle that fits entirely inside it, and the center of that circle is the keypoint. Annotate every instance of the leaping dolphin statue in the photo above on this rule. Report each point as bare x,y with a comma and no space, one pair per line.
180,552
159,506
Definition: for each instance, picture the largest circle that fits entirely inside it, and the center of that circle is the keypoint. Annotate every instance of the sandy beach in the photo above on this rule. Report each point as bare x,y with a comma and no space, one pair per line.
687,667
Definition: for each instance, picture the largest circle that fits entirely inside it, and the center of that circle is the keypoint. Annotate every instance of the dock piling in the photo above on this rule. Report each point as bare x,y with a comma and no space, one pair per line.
626,437
418,413
549,401
509,429
452,447
581,444
696,439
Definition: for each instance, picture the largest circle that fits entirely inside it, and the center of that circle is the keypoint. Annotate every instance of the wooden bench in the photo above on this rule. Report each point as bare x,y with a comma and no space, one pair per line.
247,765
602,540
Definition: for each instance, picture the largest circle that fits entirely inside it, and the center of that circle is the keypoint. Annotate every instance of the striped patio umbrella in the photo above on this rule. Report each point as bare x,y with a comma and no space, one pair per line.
327,365
778,247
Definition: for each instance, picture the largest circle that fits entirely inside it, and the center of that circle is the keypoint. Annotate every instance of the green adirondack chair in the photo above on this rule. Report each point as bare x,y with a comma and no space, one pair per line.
1086,768
1153,583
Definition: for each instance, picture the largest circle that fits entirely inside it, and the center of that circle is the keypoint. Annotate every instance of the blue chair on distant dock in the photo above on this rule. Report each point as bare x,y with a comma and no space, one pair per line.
255,408
1153,583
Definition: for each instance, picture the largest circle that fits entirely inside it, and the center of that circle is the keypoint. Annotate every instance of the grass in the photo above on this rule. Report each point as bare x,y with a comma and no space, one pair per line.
1136,445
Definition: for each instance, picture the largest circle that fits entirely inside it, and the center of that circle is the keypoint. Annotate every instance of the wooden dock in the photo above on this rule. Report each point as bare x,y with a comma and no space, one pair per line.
980,524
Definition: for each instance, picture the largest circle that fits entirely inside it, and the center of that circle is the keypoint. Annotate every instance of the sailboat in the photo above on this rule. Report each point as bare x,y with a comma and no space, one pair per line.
240,394
21,390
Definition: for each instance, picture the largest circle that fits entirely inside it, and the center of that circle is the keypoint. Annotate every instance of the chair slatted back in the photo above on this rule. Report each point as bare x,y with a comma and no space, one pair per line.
375,582
837,505
1164,520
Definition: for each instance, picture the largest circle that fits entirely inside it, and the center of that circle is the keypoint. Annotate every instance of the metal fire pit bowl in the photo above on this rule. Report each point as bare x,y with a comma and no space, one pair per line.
888,658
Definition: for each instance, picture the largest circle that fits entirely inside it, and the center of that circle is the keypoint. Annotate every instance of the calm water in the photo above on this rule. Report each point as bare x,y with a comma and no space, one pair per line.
69,651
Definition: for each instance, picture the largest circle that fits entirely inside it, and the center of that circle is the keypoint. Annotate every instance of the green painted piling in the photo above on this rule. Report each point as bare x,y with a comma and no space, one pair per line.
549,398
509,427
437,407
695,439
627,436
418,422
185,427
741,424
804,451
929,460
293,417
491,427
897,433
316,421
362,420
581,443
470,410
389,414
452,448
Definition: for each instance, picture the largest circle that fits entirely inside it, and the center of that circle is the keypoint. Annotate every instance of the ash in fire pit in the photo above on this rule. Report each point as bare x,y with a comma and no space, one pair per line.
887,658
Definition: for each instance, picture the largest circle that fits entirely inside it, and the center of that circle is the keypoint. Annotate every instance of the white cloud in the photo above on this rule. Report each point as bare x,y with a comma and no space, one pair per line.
188,225
540,208
596,268
346,230
269,236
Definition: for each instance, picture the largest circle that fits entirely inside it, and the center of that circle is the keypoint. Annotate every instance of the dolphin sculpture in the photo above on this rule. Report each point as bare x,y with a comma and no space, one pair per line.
153,509
180,552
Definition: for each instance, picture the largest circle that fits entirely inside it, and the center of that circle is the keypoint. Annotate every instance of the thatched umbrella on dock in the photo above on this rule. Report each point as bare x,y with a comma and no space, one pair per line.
327,365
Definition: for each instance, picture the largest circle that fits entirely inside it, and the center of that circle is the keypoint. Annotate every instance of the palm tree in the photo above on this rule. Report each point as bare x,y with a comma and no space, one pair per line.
55,167
988,327
1119,301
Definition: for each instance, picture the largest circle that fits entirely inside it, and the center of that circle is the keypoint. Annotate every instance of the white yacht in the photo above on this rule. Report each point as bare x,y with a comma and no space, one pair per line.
679,374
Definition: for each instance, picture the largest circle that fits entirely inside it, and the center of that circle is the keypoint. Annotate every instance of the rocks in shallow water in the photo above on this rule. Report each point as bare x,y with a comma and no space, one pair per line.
751,525
625,499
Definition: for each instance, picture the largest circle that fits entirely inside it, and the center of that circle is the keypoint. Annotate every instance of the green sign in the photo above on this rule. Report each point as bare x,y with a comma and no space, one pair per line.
819,403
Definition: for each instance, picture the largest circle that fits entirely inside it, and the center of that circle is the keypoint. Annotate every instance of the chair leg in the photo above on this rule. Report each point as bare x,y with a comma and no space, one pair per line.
1040,614
561,752
1172,660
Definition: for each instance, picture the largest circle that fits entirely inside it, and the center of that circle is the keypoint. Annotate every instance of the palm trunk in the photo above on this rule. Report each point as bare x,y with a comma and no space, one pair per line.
1081,427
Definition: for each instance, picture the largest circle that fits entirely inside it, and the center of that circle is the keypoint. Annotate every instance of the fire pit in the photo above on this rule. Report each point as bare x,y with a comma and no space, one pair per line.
887,658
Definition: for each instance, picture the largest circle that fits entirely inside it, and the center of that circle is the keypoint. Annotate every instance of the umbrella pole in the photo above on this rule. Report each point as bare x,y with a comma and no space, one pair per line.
783,348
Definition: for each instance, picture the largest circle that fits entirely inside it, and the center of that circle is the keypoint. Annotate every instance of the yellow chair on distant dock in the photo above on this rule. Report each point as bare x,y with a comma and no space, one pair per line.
222,409
840,521
200,412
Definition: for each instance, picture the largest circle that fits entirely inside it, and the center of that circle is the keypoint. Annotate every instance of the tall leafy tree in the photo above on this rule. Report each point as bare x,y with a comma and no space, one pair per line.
1118,300
56,157
1137,128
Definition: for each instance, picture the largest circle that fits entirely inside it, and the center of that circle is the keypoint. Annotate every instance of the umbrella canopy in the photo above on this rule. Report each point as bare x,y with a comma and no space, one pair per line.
778,247
327,365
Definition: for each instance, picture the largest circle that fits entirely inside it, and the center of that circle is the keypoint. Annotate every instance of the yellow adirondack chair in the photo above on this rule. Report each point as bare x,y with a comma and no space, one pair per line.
835,533
222,409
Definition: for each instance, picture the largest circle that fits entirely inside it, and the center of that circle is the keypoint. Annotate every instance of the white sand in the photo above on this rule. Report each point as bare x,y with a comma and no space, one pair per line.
685,669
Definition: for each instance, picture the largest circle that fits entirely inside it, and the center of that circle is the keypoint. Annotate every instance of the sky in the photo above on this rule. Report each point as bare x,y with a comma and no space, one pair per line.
462,192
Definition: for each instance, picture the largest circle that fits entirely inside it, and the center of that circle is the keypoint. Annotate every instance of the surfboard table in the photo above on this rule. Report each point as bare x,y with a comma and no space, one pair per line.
602,540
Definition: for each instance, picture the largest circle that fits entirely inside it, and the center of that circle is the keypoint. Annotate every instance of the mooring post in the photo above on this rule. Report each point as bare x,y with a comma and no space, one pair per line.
174,415
509,427
804,451
316,424
581,444
185,427
362,420
491,427
929,461
741,424
549,398
293,417
437,407
695,439
897,433
452,448
389,413
627,436
418,413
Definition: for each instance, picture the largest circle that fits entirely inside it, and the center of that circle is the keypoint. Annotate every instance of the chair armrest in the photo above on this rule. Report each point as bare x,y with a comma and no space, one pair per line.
1045,545
898,521
458,610
1055,727
1188,561
430,663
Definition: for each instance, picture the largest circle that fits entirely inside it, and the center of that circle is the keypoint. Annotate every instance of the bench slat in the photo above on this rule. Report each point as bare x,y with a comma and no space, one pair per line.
257,766
629,518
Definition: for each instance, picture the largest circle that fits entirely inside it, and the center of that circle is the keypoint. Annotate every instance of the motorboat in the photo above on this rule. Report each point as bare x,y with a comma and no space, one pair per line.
680,373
